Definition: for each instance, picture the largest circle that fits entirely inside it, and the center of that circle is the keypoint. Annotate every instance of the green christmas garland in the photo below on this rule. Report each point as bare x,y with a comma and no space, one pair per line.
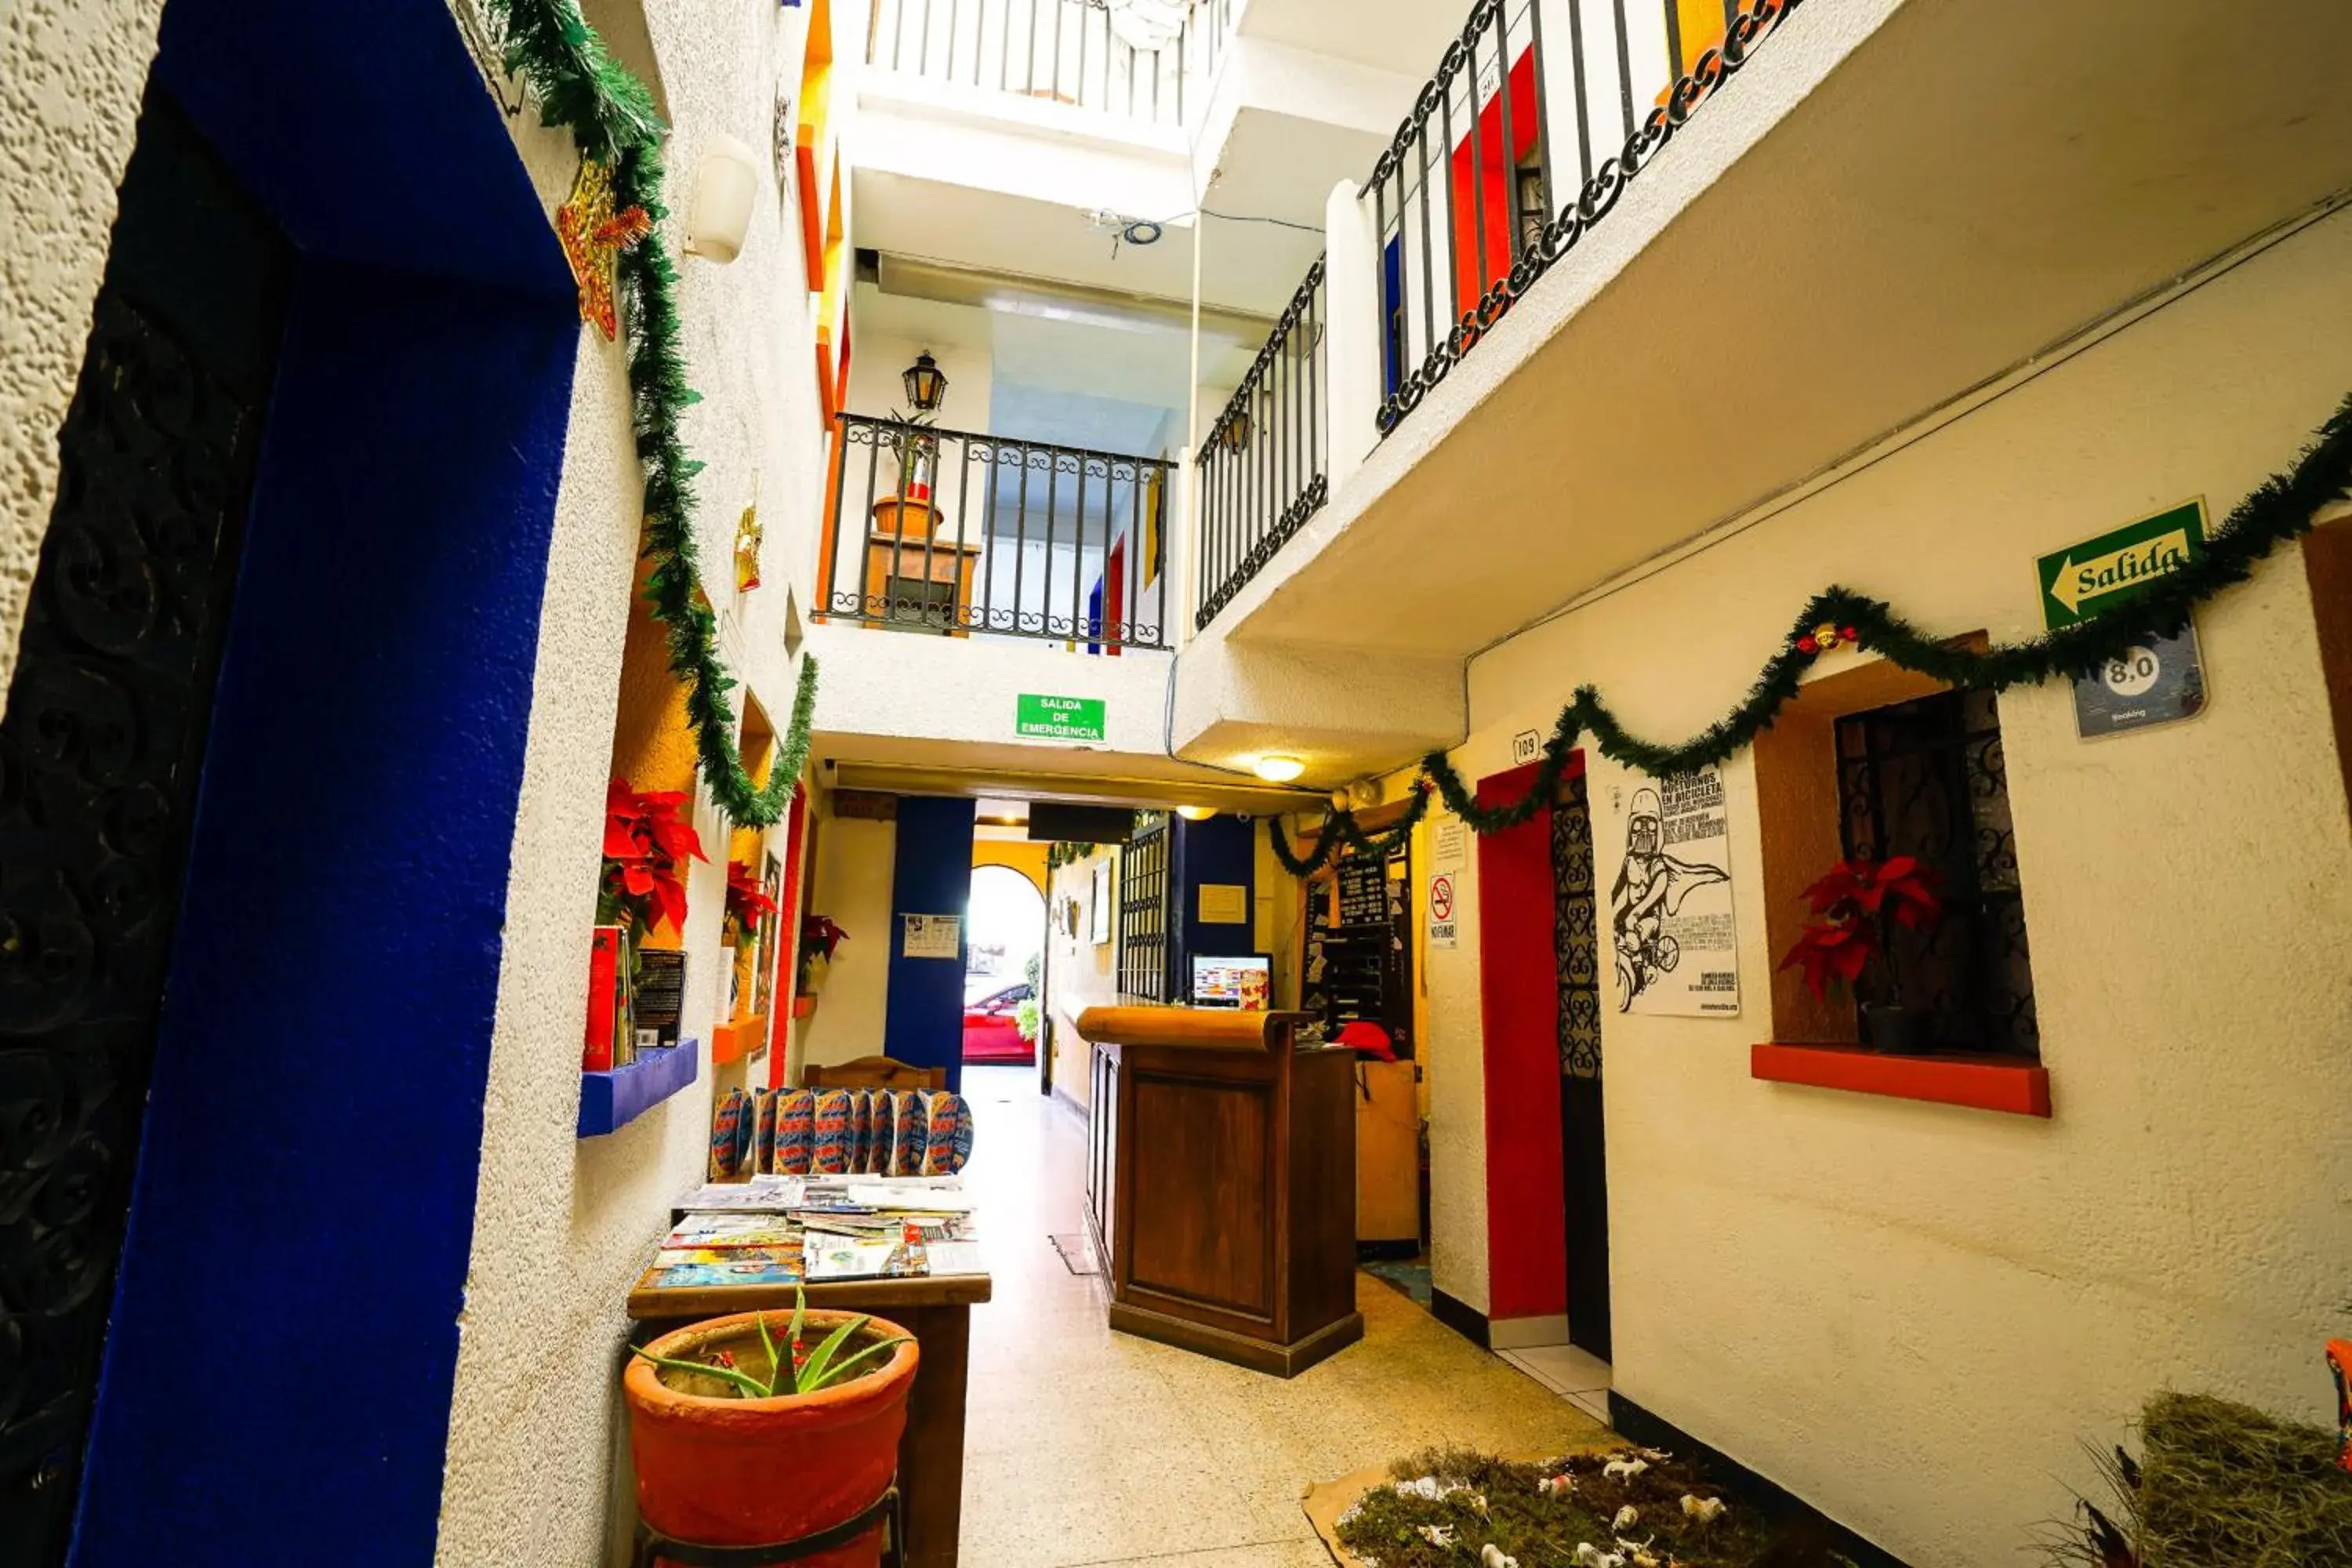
1066,854
612,119
2280,510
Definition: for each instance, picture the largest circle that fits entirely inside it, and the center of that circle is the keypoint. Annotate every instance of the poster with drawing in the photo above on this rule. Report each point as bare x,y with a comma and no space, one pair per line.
1670,910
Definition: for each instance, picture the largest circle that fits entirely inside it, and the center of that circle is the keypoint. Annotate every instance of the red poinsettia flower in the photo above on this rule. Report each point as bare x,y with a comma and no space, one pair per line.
819,932
645,840
1852,897
747,901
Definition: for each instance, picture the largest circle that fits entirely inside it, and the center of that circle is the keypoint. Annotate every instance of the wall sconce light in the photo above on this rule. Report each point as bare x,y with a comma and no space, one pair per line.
1236,431
726,184
926,383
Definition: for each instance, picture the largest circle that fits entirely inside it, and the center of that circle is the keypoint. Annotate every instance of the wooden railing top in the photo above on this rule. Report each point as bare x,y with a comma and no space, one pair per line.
1193,1028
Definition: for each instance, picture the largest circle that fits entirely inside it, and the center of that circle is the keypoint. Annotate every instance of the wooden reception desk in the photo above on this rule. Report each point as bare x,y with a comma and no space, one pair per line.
1221,1182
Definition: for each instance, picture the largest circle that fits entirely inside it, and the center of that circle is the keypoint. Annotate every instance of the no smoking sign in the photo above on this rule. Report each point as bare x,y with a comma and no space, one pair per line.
1444,930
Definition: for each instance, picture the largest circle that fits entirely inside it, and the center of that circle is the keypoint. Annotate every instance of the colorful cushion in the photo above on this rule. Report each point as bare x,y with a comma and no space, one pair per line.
763,1147
727,1124
948,1143
862,1104
829,1146
795,1130
910,1121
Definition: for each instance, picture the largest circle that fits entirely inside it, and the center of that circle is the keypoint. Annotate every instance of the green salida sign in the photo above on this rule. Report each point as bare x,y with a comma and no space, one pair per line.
1059,718
2083,579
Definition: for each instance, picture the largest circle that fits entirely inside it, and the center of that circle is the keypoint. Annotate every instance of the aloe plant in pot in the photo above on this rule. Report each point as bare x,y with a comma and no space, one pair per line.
755,1430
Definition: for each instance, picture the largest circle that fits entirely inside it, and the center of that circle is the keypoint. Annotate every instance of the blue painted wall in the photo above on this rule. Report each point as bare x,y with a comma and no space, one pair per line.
284,1336
1221,849
932,876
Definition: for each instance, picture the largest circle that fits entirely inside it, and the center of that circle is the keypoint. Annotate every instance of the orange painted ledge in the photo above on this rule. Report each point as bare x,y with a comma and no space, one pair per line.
1983,1083
731,1042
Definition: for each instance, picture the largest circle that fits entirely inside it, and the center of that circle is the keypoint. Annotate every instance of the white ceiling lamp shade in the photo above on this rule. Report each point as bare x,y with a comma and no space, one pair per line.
1277,768
1148,25
1196,813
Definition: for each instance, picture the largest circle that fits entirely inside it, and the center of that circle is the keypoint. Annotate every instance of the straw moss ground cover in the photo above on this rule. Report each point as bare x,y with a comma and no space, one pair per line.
1630,1508
2219,1485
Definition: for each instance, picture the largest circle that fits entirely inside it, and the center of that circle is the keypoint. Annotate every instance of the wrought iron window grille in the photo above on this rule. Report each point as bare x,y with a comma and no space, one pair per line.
1927,778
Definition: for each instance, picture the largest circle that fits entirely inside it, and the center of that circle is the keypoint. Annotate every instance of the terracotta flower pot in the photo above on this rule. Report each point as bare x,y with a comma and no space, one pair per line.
752,1472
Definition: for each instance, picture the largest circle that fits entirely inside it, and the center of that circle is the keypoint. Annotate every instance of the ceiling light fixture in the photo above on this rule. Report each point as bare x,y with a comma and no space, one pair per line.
1277,768
1196,813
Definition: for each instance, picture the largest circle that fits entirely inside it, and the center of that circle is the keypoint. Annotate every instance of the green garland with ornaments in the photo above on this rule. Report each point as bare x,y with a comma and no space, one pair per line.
2280,510
613,122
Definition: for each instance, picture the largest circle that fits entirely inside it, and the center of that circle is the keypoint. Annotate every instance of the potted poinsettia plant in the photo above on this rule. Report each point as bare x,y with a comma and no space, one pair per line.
1851,905
748,904
819,938
720,1412
645,846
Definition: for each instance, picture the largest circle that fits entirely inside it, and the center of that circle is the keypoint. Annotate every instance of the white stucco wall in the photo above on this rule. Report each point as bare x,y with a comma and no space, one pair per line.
856,862
1915,1315
70,80
876,386
562,1224
1081,972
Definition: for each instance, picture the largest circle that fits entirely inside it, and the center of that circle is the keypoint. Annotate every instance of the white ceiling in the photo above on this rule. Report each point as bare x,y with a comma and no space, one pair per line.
1151,366
1976,181
1403,35
1280,166
1253,267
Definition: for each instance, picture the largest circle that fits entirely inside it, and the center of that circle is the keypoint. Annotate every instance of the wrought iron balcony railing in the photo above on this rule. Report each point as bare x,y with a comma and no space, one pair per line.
956,534
1262,466
1139,62
1466,200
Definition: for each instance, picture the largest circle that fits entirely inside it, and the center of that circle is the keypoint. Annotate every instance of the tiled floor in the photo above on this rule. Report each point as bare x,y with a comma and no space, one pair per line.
1084,1446
1575,1376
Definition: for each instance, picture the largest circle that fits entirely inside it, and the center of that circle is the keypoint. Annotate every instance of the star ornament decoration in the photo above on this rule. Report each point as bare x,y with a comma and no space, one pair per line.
594,236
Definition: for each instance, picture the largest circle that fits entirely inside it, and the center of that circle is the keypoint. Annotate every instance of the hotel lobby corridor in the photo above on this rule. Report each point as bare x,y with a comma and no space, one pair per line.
1089,1446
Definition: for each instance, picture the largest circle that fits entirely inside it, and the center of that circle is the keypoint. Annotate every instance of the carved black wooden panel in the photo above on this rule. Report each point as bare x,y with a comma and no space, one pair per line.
100,750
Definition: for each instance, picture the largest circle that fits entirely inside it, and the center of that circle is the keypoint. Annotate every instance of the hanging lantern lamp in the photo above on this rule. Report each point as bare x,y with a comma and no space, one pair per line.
926,385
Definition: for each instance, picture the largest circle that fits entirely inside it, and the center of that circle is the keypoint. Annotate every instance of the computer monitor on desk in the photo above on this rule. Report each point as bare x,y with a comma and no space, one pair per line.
1243,981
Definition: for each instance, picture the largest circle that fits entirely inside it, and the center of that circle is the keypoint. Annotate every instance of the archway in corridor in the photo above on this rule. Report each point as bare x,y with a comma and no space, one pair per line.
1003,946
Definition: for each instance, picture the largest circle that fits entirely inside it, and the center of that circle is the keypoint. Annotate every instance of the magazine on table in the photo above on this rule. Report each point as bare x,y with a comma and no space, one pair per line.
691,1268
825,1259
760,1194
733,1230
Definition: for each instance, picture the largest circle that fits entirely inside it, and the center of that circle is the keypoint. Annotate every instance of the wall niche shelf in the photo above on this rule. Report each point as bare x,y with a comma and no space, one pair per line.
1982,1082
611,1101
742,1037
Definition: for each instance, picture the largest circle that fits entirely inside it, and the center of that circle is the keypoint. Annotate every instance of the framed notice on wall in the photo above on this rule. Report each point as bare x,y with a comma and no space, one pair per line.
1098,904
932,936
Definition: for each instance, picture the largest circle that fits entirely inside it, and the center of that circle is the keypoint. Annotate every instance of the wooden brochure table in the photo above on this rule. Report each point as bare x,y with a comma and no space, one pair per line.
1221,1182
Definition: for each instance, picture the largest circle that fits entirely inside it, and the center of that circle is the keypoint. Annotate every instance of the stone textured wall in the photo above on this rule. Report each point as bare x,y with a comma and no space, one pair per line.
70,79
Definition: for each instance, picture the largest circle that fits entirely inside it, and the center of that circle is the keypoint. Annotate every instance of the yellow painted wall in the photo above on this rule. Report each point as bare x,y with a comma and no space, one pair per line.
1027,859
1917,1316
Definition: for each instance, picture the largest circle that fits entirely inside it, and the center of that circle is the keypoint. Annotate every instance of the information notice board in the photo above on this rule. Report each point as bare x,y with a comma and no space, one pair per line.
1360,946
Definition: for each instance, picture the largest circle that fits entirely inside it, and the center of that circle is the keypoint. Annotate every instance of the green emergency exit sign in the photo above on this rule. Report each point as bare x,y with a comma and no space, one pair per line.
1059,718
2081,580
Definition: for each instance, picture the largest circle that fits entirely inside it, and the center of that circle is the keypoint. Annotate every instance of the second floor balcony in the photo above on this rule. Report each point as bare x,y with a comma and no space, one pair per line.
955,534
